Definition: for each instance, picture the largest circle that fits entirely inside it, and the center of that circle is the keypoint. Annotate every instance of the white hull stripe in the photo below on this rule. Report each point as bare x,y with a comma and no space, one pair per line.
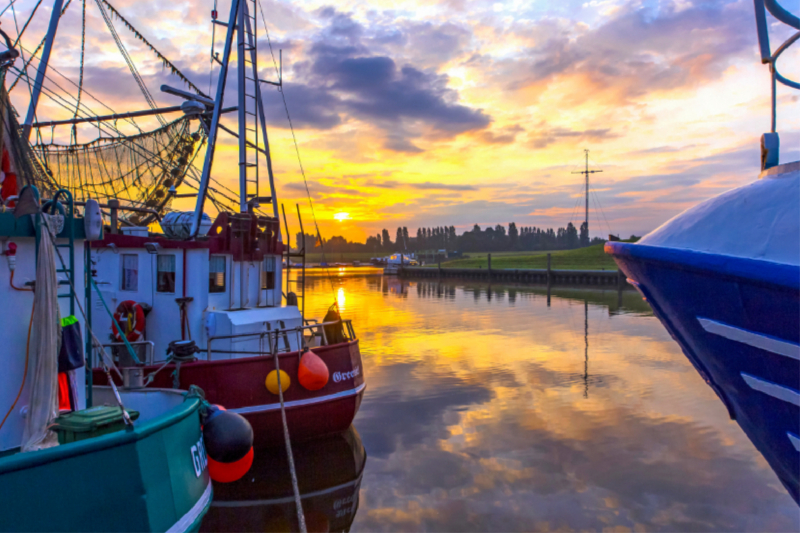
762,342
772,389
299,403
795,440
194,513
287,499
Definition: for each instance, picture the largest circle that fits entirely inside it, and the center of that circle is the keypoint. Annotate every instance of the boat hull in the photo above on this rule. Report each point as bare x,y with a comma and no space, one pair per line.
141,479
738,322
239,386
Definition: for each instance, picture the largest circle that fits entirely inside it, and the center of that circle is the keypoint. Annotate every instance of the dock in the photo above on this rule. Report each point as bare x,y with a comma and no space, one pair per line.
548,276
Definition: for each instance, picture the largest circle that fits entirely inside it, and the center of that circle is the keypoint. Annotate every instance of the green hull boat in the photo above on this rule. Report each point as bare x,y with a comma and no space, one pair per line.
147,477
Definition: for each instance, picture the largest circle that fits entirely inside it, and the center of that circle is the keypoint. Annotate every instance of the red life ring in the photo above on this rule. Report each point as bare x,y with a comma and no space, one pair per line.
134,321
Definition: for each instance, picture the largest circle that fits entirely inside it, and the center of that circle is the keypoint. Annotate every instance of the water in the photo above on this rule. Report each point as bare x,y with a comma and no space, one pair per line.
500,409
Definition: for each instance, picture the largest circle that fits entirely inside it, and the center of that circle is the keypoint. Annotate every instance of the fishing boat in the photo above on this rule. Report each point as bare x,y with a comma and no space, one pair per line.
329,473
395,262
75,457
203,301
724,279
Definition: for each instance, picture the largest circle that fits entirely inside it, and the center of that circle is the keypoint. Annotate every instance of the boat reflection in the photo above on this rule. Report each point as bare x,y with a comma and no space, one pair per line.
329,474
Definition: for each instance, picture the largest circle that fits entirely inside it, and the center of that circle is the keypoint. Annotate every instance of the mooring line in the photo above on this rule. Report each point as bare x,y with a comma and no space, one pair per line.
287,440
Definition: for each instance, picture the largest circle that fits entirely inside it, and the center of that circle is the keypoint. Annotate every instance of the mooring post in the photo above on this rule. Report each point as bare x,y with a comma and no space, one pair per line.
440,268
113,204
490,267
549,278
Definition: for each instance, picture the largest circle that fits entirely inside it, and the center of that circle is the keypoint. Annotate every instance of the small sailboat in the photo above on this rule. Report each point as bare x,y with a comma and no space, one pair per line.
724,279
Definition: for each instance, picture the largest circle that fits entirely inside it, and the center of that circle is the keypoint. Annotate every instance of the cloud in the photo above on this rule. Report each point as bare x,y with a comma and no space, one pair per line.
443,186
642,49
546,135
401,100
502,136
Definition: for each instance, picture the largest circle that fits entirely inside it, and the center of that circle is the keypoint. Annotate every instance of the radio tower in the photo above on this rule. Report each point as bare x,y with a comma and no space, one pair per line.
586,173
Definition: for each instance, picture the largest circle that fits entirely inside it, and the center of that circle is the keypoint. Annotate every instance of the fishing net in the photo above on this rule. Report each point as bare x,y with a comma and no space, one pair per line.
138,170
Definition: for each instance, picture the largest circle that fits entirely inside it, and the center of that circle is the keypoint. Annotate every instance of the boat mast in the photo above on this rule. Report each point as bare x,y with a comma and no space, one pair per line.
55,17
213,130
247,72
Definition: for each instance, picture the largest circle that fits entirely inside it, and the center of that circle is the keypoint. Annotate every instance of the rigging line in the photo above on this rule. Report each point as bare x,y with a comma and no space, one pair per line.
11,5
88,109
16,26
80,79
41,43
129,60
299,160
25,27
173,69
602,212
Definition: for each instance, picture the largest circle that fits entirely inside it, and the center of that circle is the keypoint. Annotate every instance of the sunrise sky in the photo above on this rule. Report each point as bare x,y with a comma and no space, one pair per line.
458,112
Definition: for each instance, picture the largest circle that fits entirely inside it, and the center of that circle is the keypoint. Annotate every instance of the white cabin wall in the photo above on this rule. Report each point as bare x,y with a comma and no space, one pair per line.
197,288
14,330
164,320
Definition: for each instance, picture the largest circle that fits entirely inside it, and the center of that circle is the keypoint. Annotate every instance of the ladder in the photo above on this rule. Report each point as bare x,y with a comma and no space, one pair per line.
69,227
249,142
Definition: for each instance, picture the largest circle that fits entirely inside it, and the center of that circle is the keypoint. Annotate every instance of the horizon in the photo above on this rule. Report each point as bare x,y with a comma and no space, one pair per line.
467,112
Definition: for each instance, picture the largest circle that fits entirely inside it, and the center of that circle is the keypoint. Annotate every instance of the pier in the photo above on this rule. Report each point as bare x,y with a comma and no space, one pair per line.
549,276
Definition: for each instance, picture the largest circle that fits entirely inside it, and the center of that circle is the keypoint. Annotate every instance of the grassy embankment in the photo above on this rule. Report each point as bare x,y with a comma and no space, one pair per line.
589,258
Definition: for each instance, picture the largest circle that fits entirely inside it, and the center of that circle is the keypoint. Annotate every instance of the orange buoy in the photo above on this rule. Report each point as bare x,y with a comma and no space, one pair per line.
230,472
313,372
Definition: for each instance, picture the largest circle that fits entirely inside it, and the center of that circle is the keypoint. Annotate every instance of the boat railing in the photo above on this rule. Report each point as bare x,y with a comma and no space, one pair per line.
317,330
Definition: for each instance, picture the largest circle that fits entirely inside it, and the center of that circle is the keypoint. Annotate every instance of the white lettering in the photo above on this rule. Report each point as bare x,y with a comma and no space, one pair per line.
341,376
199,459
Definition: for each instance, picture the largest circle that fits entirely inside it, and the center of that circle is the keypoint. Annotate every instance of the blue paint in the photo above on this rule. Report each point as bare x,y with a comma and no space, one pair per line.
760,297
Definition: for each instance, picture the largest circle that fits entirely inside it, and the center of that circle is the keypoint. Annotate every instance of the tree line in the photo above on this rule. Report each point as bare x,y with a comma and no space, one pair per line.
492,239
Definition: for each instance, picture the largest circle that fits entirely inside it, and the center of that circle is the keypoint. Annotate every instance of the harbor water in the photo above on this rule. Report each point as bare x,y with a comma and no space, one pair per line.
505,408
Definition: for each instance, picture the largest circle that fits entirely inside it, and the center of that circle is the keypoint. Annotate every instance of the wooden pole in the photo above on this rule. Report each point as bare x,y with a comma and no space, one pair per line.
549,275
490,267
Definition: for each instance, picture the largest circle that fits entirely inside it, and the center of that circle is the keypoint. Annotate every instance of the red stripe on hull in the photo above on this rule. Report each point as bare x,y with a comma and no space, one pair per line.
239,384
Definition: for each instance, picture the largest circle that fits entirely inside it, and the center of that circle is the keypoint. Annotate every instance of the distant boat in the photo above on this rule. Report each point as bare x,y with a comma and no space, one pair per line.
724,279
395,261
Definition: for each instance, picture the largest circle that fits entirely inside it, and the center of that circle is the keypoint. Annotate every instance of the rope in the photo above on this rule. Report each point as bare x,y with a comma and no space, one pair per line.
166,62
129,61
80,80
299,160
19,34
301,519
41,43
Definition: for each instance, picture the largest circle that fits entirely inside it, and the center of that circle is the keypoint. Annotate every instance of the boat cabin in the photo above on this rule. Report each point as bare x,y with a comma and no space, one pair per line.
221,290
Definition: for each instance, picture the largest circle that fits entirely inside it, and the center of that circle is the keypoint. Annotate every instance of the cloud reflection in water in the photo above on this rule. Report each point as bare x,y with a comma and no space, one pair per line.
486,410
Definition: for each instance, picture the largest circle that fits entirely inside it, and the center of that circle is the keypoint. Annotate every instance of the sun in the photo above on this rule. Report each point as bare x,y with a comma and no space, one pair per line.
341,217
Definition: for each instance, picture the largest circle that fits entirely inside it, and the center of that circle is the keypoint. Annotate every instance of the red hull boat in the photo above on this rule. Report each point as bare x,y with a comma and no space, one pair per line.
239,386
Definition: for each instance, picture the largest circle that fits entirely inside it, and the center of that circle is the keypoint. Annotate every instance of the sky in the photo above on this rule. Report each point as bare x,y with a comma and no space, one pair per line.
461,112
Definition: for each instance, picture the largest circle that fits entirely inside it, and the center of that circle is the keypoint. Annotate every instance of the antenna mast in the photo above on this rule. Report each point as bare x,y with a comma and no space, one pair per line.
586,173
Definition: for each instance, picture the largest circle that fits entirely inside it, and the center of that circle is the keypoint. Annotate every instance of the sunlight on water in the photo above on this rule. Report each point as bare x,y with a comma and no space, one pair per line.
501,408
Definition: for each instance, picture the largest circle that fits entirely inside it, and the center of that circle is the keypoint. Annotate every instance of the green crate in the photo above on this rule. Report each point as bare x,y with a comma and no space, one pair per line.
89,423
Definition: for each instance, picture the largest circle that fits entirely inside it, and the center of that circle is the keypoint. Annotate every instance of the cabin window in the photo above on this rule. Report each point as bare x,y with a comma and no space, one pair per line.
165,268
216,273
130,272
268,273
